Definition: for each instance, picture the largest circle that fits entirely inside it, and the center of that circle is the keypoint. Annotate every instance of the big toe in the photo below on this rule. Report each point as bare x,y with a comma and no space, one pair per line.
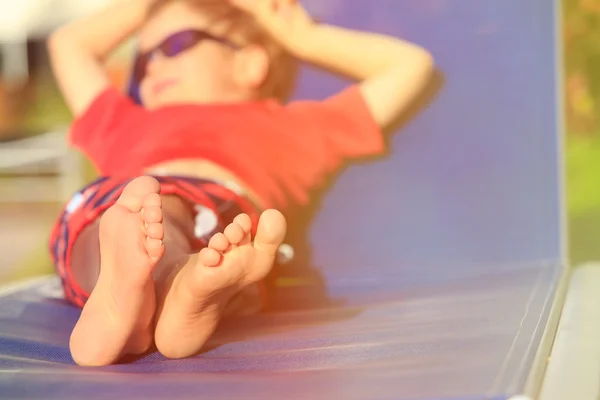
136,191
271,231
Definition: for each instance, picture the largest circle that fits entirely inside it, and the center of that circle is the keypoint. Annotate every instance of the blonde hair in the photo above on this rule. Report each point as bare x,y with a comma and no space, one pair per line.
283,67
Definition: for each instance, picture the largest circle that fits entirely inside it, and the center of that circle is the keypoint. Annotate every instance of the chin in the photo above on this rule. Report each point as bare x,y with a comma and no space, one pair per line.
172,98
161,102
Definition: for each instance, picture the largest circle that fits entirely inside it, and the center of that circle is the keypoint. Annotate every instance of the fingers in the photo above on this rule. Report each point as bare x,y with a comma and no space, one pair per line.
285,8
265,12
249,6
284,20
263,8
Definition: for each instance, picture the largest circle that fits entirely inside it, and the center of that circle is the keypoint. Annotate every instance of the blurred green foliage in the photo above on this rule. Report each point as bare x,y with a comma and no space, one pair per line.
581,39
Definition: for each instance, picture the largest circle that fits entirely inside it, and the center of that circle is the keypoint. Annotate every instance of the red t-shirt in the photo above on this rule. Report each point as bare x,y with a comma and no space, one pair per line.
280,151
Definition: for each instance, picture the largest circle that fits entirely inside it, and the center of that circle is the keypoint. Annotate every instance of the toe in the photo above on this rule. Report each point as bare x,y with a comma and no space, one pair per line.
270,232
155,248
209,257
136,191
152,200
219,242
234,233
244,221
155,231
152,214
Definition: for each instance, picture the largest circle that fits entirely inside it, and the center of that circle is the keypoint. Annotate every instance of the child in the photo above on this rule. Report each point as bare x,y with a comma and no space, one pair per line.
172,236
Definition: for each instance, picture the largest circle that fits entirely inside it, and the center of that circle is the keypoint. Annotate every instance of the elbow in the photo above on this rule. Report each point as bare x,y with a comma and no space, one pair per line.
419,68
59,39
419,64
62,46
414,72
424,62
56,40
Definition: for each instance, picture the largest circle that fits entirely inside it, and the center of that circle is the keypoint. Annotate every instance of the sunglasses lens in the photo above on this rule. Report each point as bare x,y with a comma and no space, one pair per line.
179,42
172,46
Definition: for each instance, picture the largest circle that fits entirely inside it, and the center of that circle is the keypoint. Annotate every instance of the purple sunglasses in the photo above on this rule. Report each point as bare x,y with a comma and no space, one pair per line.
172,46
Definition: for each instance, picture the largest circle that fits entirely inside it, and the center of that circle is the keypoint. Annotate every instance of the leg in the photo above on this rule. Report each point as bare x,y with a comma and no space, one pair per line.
193,298
192,289
115,260
177,226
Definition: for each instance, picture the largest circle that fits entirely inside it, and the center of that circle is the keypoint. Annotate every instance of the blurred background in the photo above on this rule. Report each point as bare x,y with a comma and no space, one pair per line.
581,36
38,170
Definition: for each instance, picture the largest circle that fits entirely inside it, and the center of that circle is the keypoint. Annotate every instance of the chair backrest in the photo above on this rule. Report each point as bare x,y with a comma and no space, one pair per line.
473,181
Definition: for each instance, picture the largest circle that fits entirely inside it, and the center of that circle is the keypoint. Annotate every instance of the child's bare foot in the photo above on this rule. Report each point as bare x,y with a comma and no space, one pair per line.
203,283
117,319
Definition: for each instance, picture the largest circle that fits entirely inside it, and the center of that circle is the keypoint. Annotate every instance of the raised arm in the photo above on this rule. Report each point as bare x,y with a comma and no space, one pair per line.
392,72
79,49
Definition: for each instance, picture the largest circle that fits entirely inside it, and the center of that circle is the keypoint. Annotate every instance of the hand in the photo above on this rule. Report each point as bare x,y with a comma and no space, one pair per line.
285,20
152,5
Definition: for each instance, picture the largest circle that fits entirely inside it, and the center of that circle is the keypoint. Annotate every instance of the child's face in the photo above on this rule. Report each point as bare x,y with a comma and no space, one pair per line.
204,72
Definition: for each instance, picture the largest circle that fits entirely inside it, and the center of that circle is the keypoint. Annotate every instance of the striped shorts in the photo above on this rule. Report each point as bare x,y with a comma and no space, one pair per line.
215,206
